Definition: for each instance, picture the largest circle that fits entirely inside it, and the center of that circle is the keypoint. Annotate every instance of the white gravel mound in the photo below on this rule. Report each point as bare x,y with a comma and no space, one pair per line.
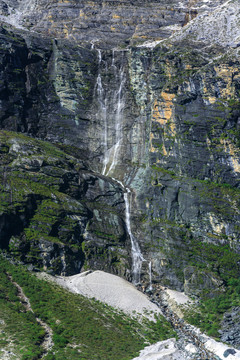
162,350
109,289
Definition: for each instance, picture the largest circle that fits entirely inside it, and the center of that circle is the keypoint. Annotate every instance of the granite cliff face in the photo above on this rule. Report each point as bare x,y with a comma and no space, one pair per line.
146,96
109,23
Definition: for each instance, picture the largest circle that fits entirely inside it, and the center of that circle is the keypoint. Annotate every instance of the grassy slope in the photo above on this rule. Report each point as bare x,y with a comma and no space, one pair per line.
83,328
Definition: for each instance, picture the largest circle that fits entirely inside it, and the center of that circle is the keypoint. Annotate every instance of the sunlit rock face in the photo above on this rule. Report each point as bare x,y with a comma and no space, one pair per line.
146,93
104,22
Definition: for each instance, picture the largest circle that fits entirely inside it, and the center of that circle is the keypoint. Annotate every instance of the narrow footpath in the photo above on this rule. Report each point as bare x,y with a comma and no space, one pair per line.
47,341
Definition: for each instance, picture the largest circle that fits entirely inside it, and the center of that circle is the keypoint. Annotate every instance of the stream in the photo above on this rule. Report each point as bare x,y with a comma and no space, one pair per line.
190,340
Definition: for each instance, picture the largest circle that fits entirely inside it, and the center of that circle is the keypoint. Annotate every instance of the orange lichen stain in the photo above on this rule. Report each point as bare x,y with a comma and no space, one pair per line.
155,112
226,73
212,99
230,149
115,16
168,100
163,110
65,30
164,151
81,14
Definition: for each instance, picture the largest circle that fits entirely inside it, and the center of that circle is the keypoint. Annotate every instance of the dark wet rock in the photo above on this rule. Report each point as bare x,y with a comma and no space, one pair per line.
65,219
196,282
229,352
230,328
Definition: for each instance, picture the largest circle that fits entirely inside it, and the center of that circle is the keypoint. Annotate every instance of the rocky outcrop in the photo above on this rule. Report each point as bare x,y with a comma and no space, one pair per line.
57,208
229,327
107,23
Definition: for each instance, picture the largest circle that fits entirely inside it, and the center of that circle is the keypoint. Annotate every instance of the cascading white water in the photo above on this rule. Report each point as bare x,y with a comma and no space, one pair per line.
150,274
137,257
118,120
107,101
102,100
111,106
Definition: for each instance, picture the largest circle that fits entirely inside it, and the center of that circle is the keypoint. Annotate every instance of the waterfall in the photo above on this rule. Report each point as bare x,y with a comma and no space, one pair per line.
150,274
111,103
102,101
137,257
118,119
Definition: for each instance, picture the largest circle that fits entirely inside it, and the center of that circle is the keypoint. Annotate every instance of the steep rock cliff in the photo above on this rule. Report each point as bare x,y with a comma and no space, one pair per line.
151,100
57,215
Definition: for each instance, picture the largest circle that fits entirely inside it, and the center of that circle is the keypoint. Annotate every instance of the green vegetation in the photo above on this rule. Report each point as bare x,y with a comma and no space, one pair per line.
209,314
209,260
82,328
224,263
19,329
219,259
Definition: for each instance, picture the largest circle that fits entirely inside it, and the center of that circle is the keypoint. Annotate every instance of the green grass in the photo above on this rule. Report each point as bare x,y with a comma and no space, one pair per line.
19,330
209,314
83,328
224,263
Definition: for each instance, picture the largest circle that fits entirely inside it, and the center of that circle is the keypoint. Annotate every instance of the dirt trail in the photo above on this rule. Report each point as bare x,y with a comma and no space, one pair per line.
47,342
